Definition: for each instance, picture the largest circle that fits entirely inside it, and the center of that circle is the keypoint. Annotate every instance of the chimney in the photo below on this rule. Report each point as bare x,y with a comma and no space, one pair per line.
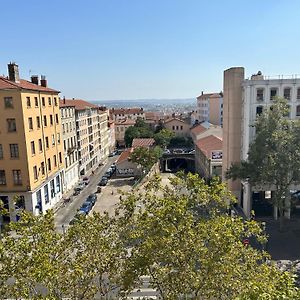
13,72
35,79
43,81
202,93
64,100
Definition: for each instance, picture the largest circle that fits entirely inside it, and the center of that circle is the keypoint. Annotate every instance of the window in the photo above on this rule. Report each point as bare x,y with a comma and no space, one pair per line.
67,127
60,158
51,120
2,177
176,127
173,127
46,193
32,148
65,147
260,95
40,145
58,138
17,177
38,122
55,161
55,101
11,125
66,162
14,150
35,173
49,164
57,184
36,102
52,188
30,124
43,168
298,94
8,102
56,118
43,101
53,140
273,93
298,111
47,142
45,121
259,110
63,128
287,93
49,101
39,199
181,127
1,152
28,102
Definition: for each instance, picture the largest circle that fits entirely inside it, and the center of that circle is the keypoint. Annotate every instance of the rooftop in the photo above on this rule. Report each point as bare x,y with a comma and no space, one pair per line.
146,142
124,155
78,103
209,144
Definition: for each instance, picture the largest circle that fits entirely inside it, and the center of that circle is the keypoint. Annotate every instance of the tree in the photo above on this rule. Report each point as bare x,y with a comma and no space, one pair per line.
131,133
145,157
163,137
190,248
274,155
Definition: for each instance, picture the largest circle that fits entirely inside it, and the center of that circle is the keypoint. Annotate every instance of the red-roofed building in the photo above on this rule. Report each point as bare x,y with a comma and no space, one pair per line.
124,166
120,128
143,142
208,156
204,129
119,114
178,126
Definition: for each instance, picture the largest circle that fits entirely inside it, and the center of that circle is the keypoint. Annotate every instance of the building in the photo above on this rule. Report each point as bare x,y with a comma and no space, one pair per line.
120,128
244,99
31,151
92,134
143,142
69,137
204,129
120,114
178,126
210,108
208,156
112,135
125,167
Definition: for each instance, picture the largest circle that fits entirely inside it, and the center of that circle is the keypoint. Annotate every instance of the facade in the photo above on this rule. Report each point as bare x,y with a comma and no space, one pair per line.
210,108
119,114
244,99
31,152
204,129
178,126
105,140
208,156
125,167
112,135
90,121
69,137
120,128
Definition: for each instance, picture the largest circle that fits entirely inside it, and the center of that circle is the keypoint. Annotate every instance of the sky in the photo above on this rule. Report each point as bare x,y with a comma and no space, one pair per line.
141,49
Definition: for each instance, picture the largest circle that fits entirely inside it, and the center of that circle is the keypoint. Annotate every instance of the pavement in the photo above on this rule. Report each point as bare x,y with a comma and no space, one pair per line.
64,213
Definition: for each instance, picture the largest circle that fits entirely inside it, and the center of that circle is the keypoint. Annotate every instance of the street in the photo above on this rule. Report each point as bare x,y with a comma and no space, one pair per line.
66,212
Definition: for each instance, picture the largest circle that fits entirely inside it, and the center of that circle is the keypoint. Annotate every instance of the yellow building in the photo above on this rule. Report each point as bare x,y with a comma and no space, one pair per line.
31,162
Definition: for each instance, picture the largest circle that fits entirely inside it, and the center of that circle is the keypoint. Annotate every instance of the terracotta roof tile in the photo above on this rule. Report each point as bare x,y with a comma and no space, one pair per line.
23,84
125,122
79,104
146,142
209,95
124,155
126,110
209,144
198,129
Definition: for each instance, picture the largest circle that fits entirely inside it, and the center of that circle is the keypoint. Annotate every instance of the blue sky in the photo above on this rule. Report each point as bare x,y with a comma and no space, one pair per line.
132,49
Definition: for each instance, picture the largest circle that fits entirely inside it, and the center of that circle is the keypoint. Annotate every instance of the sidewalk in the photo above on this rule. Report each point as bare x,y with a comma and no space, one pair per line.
283,245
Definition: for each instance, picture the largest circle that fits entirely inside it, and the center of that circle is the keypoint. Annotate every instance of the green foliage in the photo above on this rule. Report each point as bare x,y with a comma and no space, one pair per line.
163,137
181,239
180,141
146,157
139,130
274,155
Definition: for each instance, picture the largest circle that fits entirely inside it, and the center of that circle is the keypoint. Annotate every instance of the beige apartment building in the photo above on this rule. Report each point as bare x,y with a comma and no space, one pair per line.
210,108
69,137
120,114
105,139
178,126
120,128
31,152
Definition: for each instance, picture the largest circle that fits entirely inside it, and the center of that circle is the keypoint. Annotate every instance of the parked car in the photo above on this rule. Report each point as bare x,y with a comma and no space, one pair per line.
113,167
178,151
167,151
91,198
103,181
108,173
81,185
77,191
86,207
86,180
192,151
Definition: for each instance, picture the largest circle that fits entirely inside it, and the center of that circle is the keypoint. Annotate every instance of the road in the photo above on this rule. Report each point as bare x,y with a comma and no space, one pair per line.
66,212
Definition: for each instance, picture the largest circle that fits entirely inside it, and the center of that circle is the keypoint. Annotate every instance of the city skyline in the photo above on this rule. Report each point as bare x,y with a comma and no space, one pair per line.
101,50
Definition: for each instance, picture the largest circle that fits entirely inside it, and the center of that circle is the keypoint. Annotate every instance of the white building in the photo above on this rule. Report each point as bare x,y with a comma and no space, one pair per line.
69,137
244,99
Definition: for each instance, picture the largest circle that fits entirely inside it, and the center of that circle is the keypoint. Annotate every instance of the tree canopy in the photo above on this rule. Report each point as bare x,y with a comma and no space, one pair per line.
274,155
163,137
178,234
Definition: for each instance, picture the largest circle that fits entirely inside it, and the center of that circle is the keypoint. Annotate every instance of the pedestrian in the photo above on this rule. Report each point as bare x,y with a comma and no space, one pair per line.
112,191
